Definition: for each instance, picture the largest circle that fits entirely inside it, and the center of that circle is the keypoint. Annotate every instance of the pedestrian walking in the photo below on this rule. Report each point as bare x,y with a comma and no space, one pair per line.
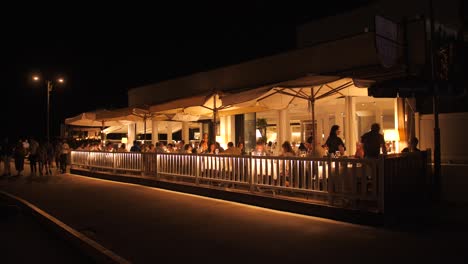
65,150
6,154
19,155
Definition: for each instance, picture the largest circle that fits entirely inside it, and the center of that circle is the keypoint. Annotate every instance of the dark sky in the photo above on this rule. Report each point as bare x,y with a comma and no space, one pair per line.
102,52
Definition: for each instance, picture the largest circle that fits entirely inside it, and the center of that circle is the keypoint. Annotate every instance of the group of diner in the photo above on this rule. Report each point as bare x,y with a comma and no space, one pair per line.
370,146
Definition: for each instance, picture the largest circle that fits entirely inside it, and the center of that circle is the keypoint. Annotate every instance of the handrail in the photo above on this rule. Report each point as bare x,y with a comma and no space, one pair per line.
348,182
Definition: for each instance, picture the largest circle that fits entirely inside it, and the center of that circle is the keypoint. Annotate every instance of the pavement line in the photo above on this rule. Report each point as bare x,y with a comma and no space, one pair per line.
99,253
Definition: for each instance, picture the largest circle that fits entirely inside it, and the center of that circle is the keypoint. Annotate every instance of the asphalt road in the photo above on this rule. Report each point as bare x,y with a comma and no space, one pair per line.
24,240
149,225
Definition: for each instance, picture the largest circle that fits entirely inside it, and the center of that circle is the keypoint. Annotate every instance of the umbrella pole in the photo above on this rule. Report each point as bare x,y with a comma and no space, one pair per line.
312,109
102,133
314,139
144,129
214,118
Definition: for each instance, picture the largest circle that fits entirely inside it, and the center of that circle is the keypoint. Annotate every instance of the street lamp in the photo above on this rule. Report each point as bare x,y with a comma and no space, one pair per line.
50,86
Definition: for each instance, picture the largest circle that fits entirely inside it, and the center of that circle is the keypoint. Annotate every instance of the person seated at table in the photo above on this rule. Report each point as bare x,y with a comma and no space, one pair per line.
359,154
412,145
109,147
259,149
136,147
212,148
341,150
187,149
122,148
160,147
231,150
151,148
170,148
316,152
218,146
180,147
241,148
287,150
203,147
269,148
302,149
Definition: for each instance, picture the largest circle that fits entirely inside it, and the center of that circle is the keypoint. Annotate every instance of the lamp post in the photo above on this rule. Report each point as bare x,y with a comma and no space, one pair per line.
49,86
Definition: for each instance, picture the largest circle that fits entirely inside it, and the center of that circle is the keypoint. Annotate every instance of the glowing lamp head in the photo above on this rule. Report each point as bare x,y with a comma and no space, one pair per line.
391,135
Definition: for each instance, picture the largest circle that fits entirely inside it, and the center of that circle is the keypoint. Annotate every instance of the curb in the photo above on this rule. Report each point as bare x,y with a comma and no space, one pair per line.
286,205
91,248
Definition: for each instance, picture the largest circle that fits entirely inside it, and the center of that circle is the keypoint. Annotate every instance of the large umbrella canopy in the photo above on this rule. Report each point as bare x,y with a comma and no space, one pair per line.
130,115
126,114
303,93
162,128
89,119
192,108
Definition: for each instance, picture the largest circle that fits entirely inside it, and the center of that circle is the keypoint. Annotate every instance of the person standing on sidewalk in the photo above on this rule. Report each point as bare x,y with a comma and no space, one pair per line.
64,156
57,152
6,154
19,154
33,155
42,159
50,156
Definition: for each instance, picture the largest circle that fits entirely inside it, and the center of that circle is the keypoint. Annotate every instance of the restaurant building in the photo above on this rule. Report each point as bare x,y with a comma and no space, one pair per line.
369,65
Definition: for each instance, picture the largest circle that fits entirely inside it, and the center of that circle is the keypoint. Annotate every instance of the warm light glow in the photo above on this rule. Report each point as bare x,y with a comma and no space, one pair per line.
271,136
60,80
124,140
36,78
391,135
258,134
222,143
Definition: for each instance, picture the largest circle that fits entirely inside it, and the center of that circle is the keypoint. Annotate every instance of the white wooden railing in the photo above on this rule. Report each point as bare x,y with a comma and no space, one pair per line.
349,182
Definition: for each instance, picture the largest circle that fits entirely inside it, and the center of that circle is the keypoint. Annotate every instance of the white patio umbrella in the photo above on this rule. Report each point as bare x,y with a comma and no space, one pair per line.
89,119
129,114
192,108
302,91
162,128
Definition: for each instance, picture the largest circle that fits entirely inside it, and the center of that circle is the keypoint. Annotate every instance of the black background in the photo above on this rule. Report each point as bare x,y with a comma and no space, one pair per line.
104,51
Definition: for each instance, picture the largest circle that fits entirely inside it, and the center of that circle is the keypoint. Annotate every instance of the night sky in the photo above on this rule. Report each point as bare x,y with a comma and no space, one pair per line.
103,52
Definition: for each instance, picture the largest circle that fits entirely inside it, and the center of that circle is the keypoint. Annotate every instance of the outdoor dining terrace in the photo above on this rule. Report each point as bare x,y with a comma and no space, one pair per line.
375,185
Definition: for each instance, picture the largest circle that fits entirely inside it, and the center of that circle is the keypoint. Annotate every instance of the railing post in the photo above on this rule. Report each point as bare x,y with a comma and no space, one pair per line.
251,173
197,169
330,182
86,162
142,164
381,183
114,170
157,165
